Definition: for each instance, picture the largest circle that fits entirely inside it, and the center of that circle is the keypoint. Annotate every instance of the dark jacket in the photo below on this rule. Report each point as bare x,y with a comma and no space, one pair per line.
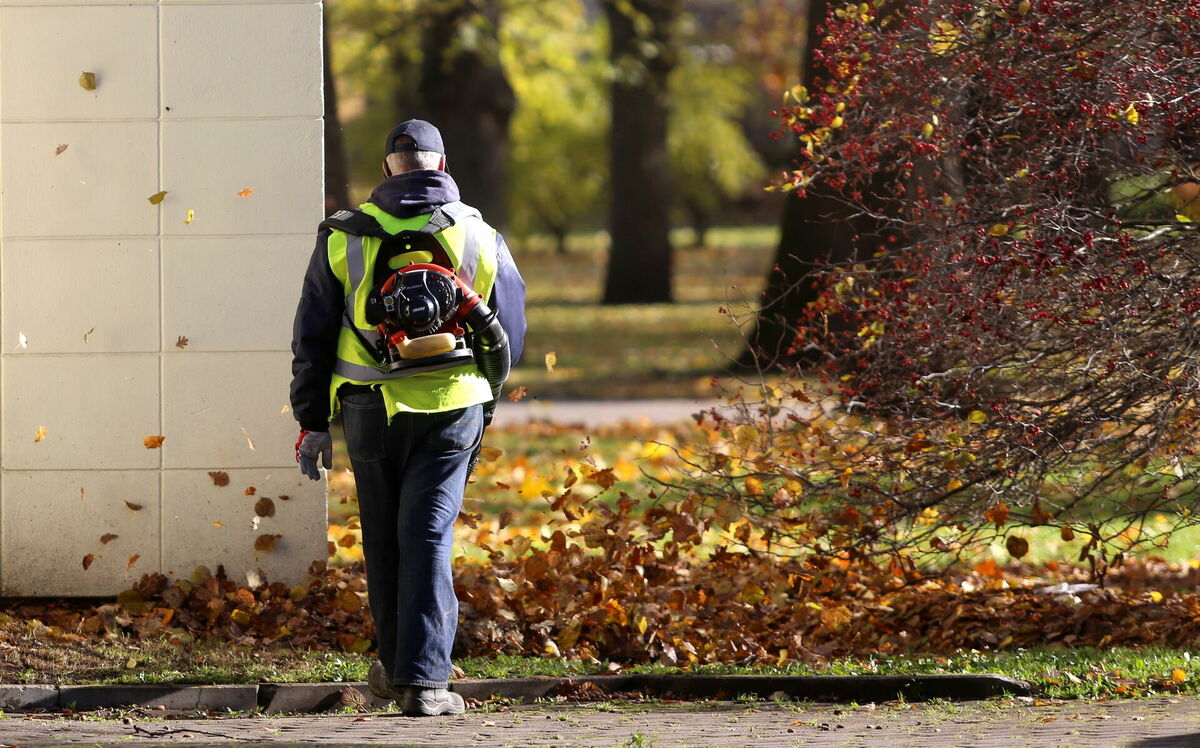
322,303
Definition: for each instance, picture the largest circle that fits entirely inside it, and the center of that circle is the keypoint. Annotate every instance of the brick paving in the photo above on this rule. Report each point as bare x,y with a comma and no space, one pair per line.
1148,723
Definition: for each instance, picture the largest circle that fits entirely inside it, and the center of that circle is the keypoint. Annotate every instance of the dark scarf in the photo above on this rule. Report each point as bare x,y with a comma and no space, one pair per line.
415,193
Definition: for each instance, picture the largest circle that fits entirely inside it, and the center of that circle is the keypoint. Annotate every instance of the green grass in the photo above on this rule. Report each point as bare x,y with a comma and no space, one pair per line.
1054,673
642,350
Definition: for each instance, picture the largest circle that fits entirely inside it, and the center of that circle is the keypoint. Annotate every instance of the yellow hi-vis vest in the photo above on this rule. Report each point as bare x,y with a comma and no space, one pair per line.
471,245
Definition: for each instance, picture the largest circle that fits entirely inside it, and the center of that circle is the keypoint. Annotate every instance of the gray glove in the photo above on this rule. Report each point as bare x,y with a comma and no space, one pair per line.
314,444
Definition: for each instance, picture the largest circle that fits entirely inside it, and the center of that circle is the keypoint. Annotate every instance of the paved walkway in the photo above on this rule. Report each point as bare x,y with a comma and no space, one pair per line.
592,413
1149,723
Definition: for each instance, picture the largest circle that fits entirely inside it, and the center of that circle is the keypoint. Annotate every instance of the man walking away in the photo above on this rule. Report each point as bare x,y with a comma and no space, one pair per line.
411,313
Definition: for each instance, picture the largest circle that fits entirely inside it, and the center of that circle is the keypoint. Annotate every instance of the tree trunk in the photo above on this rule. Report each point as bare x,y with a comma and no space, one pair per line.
560,239
639,264
701,220
468,97
814,229
337,180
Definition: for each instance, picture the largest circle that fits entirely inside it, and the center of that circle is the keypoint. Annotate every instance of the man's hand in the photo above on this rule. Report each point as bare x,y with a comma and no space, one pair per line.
309,446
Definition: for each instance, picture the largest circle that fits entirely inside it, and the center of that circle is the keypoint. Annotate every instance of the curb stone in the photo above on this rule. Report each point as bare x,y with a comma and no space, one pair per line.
275,698
179,698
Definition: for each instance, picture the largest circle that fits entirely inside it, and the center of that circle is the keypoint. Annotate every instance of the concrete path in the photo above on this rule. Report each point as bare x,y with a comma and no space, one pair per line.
593,413
1148,723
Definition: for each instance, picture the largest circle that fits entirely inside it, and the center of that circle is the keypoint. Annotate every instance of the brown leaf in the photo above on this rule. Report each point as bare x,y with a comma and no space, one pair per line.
1066,533
1017,546
264,507
134,507
997,514
505,518
283,497
87,561
266,543
157,197
605,478
536,566
572,476
108,537
219,477
153,442
349,601
1039,516
132,560
58,151
518,394
87,81
88,334
348,540
250,491
182,342
491,454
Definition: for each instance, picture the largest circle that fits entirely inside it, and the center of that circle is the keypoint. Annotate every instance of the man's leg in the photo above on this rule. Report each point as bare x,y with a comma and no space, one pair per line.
431,493
376,476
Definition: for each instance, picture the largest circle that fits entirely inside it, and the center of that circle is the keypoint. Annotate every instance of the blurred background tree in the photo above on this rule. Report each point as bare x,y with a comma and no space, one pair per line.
523,91
556,55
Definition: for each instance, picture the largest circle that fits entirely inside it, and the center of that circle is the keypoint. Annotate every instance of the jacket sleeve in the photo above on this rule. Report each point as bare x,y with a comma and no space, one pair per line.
508,299
314,340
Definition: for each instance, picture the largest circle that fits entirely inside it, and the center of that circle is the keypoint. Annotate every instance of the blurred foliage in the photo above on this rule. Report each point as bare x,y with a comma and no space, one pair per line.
711,159
556,57
557,63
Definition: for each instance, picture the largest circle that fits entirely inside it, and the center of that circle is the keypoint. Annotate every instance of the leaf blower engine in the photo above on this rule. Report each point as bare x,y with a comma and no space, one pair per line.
428,319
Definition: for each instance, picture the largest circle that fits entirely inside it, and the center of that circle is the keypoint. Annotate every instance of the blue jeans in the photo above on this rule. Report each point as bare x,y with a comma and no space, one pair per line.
410,475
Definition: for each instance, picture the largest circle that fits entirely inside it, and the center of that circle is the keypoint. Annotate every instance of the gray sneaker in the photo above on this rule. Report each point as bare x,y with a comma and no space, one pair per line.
380,684
430,702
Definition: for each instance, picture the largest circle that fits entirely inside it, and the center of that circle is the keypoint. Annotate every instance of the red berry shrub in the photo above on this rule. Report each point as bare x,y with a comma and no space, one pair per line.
1021,346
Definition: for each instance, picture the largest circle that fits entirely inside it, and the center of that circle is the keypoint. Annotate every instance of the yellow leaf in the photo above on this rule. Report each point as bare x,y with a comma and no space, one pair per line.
153,442
1131,114
1024,6
551,361
87,81
40,435
1178,675
953,484
157,197
642,623
998,230
1156,596
837,121
1182,218
240,617
927,130
246,192
943,38
977,416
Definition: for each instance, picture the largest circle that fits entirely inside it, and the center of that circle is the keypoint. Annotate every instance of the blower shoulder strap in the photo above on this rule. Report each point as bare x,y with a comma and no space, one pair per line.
354,222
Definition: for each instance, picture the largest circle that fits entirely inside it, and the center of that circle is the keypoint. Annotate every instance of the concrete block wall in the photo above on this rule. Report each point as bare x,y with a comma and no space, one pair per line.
218,103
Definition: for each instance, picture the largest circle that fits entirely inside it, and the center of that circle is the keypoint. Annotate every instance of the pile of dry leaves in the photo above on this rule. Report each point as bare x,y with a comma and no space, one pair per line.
616,588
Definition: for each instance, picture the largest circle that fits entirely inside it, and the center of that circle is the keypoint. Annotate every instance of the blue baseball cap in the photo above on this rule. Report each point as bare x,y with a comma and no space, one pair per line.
425,137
